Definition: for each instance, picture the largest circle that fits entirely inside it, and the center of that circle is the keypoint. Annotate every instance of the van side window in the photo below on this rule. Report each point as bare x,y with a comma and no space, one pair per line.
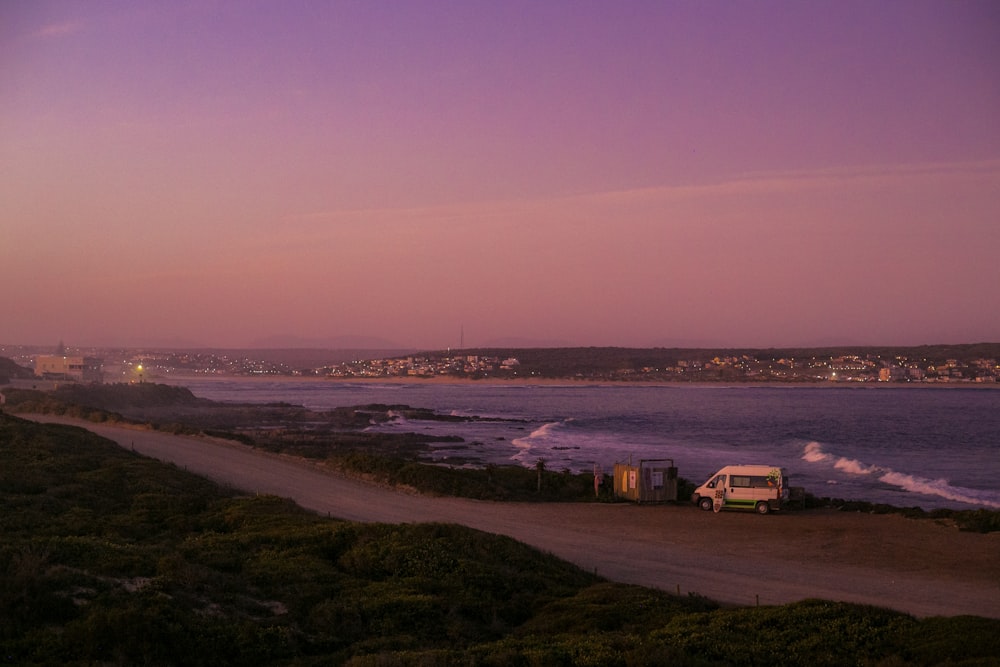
740,480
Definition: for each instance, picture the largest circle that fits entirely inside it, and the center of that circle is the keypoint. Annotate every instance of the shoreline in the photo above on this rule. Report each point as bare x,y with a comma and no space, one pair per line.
566,382
181,378
827,470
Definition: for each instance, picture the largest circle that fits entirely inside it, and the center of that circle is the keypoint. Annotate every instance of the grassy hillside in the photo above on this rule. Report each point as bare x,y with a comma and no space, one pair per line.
108,557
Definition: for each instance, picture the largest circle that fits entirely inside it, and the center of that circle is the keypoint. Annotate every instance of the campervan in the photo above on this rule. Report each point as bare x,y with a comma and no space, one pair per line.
755,487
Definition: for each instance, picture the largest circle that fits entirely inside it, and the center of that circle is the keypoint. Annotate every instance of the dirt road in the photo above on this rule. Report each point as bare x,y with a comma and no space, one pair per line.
920,567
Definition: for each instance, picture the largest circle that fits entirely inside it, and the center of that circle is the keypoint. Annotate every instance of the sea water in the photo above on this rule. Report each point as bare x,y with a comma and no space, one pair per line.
925,447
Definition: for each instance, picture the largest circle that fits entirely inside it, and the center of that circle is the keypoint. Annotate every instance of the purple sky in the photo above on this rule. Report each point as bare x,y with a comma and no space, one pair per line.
583,173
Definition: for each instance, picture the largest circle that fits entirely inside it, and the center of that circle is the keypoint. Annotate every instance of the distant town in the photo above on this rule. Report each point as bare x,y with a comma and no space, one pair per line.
959,364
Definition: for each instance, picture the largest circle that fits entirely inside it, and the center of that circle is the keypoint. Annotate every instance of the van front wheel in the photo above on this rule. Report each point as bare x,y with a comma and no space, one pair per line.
705,504
762,508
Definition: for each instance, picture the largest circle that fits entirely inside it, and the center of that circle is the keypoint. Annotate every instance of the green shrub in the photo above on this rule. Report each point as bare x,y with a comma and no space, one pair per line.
958,640
812,632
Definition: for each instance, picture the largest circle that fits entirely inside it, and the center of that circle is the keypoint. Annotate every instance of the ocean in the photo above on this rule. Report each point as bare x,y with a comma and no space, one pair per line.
909,447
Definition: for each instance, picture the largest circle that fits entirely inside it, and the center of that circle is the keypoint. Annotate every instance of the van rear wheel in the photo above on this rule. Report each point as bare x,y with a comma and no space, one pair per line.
762,508
705,504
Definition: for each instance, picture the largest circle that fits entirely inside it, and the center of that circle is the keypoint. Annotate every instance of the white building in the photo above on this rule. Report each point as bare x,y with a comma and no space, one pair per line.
62,367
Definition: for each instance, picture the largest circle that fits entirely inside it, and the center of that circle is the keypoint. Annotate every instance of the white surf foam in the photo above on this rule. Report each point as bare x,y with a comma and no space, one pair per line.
537,439
942,488
562,446
813,453
397,420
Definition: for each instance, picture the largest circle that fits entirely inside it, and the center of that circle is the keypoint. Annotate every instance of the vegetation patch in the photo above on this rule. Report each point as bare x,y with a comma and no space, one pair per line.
976,521
112,558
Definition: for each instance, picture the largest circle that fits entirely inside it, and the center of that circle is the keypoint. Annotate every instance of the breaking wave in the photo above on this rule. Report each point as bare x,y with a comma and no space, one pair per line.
813,453
565,445
543,432
396,420
542,437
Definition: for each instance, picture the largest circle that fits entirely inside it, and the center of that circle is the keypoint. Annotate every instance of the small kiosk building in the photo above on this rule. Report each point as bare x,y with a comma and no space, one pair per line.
652,481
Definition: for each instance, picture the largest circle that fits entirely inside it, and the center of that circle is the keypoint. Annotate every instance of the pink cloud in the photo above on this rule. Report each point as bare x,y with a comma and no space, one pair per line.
54,30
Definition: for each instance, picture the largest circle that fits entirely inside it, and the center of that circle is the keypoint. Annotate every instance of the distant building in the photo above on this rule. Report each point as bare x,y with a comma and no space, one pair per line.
62,367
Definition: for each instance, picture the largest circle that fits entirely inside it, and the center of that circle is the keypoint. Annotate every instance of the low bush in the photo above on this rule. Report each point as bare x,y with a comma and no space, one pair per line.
977,521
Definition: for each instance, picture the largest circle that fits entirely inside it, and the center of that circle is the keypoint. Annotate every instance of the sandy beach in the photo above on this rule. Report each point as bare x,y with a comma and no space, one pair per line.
922,567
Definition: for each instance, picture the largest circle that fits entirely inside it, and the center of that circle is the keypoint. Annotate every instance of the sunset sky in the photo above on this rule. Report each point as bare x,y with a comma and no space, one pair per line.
242,174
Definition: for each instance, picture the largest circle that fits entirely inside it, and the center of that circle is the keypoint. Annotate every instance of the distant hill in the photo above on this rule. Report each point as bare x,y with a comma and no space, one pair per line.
117,397
9,370
567,361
